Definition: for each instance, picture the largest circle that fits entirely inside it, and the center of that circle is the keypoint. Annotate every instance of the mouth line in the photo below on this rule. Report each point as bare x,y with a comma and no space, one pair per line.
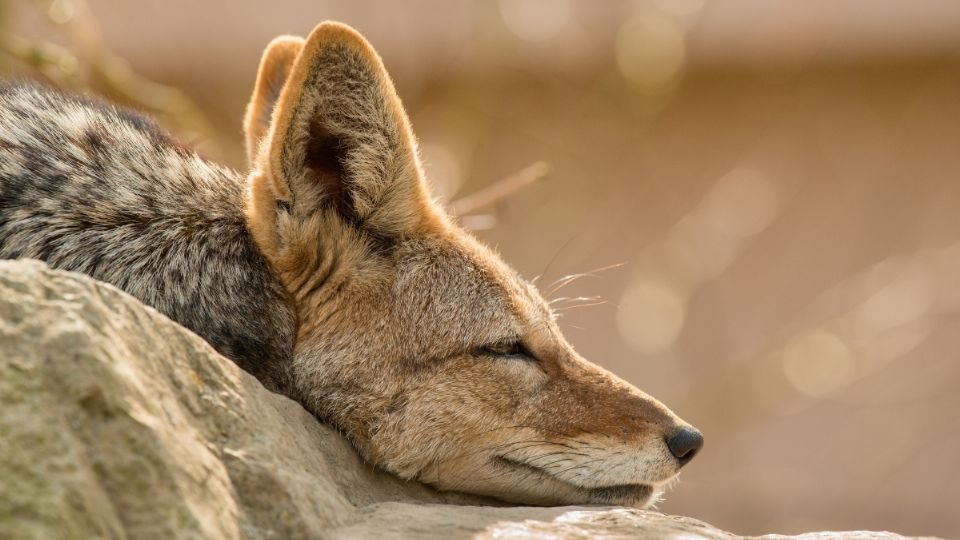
617,493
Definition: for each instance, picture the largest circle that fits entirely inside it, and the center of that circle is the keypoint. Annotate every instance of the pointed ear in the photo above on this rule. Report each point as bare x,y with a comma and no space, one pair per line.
275,66
340,139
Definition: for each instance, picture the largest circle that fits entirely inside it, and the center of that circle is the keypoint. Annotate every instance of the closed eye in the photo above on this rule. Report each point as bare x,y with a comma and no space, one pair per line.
507,349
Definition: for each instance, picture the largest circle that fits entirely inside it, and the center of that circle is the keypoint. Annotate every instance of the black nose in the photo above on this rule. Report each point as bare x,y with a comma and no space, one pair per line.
685,443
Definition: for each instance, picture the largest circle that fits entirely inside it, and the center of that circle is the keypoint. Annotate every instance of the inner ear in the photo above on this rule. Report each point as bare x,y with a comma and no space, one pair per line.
325,158
340,139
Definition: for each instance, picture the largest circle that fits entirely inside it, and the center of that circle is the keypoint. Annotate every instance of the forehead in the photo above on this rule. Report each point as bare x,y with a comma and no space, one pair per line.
455,280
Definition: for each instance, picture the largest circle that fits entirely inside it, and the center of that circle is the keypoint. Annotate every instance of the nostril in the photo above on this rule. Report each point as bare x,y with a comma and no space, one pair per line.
685,443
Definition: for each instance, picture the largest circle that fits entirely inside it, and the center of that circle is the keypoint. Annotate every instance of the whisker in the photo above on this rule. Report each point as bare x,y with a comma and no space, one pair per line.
580,465
511,446
536,461
566,280
575,306
574,299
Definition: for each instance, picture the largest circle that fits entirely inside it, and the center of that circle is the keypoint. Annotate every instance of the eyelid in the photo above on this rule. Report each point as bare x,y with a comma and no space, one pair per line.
514,348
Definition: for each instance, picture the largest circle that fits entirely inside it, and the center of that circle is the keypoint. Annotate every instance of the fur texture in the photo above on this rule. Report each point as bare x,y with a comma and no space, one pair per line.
334,278
91,188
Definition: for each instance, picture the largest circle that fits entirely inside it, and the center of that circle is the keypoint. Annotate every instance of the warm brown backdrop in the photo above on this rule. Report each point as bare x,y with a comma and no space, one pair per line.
780,179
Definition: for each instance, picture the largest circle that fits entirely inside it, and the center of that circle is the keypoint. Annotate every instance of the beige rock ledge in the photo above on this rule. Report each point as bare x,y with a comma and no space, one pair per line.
117,423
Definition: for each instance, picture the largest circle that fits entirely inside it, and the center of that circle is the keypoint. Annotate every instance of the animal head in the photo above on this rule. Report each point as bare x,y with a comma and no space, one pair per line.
434,357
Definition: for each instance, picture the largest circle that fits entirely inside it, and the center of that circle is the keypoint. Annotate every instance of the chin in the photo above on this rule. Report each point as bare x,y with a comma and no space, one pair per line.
558,493
640,496
521,483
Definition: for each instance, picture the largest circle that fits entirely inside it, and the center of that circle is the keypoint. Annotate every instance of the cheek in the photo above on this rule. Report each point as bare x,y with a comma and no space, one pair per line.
481,391
523,377
498,391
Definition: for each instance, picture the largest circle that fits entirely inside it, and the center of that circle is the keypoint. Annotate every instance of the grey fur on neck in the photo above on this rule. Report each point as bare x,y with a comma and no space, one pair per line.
88,187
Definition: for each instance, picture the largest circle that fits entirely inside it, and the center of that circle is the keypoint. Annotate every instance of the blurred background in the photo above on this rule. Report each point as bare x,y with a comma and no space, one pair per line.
764,198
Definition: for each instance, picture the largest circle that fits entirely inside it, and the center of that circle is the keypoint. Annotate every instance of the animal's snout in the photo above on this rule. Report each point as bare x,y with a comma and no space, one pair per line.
684,443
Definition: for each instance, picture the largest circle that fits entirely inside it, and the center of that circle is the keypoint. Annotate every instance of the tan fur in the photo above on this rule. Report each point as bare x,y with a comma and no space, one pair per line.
274,69
399,309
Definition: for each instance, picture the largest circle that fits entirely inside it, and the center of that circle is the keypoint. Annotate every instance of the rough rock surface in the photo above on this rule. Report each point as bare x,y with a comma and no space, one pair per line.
117,423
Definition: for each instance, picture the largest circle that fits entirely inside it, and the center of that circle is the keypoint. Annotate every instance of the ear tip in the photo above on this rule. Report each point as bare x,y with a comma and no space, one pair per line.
336,28
340,33
279,54
284,42
282,47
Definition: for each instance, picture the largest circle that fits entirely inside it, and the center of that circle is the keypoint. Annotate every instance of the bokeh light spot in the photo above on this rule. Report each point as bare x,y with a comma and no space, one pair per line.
650,316
743,203
680,8
442,170
906,298
946,268
695,243
817,362
535,20
61,11
650,52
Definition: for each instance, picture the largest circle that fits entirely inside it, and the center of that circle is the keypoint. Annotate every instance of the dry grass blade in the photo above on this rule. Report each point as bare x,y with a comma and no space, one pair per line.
89,65
500,189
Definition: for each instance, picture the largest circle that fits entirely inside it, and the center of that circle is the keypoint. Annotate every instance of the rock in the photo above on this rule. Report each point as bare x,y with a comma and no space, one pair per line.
117,423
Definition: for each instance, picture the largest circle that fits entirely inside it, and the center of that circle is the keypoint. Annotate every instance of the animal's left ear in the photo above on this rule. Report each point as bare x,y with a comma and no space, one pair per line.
339,140
275,66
